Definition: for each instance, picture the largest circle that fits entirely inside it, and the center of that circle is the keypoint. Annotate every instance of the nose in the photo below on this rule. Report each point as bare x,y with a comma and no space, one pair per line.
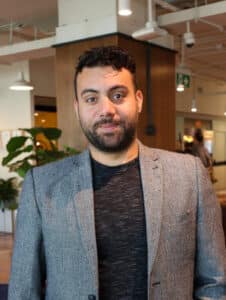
107,107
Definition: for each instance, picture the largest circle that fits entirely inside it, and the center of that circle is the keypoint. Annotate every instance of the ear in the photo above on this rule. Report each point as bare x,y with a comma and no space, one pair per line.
139,98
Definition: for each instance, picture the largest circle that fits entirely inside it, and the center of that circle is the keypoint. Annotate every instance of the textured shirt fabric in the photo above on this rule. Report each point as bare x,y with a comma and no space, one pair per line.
120,231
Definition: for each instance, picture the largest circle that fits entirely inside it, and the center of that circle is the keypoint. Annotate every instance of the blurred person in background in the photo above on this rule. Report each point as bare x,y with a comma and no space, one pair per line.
199,150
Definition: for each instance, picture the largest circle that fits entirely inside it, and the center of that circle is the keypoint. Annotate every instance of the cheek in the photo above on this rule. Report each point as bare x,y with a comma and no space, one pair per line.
129,113
87,116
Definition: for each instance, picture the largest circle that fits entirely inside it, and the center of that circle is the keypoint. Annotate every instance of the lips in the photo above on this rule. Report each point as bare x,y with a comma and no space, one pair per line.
106,123
108,127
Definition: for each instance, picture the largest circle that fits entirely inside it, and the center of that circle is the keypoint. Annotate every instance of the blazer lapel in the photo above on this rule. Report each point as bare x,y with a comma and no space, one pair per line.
84,209
151,175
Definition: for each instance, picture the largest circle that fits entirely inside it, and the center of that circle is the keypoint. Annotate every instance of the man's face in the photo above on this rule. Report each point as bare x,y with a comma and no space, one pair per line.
108,107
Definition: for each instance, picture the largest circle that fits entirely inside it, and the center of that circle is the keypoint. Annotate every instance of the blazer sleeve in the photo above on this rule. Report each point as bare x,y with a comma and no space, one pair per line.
210,267
27,262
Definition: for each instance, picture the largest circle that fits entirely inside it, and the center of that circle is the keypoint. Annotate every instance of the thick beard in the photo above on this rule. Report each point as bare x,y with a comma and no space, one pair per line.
125,138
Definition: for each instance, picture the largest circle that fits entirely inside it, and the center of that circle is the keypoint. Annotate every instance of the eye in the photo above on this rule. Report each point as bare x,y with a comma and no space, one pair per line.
91,100
118,96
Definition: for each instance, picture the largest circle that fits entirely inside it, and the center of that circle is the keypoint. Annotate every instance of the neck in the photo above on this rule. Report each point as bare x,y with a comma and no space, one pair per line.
115,158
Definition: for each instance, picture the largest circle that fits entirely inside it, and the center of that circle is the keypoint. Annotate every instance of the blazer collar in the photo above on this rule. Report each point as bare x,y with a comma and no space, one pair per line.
152,183
84,209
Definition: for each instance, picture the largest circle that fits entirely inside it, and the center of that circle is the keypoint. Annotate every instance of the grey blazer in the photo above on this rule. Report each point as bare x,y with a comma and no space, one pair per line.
55,231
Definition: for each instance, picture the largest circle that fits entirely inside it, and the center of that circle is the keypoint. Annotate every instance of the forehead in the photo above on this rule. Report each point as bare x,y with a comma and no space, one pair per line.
99,76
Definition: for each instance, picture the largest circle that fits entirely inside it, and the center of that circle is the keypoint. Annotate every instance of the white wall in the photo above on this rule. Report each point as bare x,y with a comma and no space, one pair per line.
219,128
15,112
80,19
220,174
15,106
210,98
71,12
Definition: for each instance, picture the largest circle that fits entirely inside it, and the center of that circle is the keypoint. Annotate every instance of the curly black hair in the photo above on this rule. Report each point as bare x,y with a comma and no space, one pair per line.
113,56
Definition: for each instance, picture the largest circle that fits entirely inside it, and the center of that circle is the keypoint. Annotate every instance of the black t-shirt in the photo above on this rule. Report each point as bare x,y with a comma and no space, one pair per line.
120,231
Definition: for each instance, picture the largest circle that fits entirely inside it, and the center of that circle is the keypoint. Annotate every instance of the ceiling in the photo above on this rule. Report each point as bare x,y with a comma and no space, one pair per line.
183,4
31,19
207,58
27,11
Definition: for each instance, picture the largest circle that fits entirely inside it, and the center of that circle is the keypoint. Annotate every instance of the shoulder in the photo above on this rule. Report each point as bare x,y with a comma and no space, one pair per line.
175,157
60,168
176,165
168,157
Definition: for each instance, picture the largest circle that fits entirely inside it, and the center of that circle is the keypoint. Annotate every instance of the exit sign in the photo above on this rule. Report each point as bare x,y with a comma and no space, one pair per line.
183,79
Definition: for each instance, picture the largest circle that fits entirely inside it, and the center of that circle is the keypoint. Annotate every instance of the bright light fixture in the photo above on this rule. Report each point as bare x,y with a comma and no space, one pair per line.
193,106
180,87
124,7
21,84
225,113
188,138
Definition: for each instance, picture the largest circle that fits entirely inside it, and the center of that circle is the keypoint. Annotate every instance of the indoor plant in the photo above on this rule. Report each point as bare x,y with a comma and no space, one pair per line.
8,193
37,147
9,190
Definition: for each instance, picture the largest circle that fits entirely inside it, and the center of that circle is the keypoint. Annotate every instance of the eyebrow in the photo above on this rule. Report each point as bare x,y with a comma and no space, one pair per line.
85,91
113,88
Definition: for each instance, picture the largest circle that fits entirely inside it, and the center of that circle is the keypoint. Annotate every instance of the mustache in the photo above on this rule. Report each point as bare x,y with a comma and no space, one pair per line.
106,120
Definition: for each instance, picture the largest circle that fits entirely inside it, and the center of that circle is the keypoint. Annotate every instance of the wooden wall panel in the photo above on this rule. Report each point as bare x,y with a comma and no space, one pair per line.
162,89
163,97
6,247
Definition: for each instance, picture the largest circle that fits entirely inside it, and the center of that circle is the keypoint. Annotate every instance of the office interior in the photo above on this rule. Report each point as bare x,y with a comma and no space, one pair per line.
44,39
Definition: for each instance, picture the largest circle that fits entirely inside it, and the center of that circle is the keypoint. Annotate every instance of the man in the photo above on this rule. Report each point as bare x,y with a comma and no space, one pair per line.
119,221
199,150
